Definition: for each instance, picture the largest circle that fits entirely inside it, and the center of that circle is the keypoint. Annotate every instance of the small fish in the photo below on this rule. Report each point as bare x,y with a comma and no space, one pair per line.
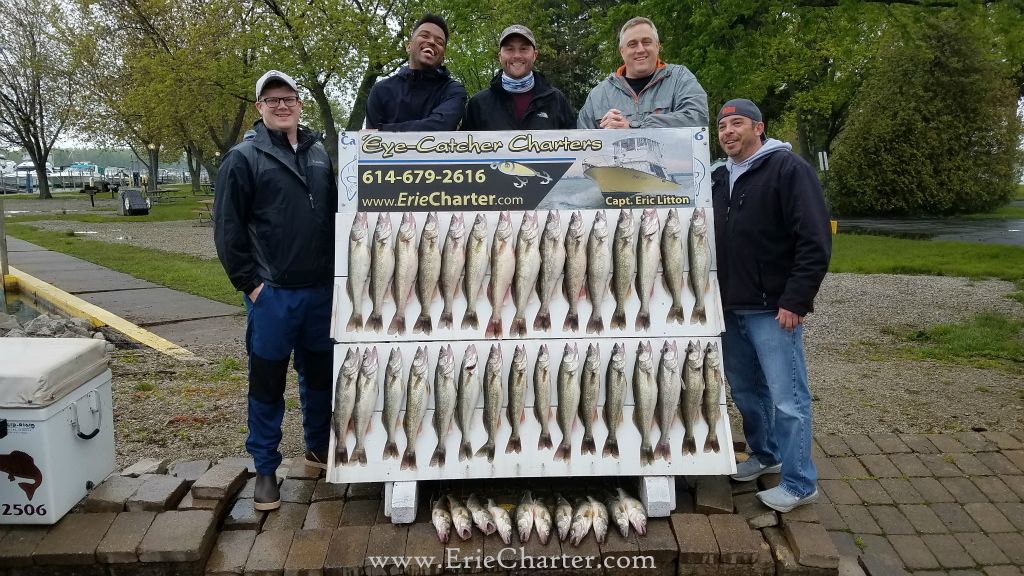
542,520
542,395
563,517
524,517
568,399
672,264
648,258
502,521
645,395
468,395
441,519
713,384
429,272
619,514
599,254
382,267
552,260
445,395
494,397
394,393
669,390
481,517
517,384
366,398
476,268
582,520
358,268
406,263
503,267
575,269
590,390
524,282
623,266
453,260
344,403
635,512
418,390
700,264
693,394
615,393
462,520
600,520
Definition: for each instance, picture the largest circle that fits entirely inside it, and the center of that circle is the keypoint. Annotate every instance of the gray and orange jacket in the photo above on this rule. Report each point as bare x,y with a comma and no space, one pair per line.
672,99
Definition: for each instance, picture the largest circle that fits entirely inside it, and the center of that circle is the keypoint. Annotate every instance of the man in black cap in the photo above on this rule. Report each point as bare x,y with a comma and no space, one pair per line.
422,96
519,97
774,242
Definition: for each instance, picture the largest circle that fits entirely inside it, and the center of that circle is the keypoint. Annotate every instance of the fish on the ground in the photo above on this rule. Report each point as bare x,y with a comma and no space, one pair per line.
344,403
358,268
693,394
582,520
635,512
542,395
462,519
552,261
670,388
645,396
441,519
563,517
648,259
476,268
524,517
713,384
429,272
623,266
481,517
406,263
619,513
469,394
568,399
366,398
517,384
700,265
615,394
590,391
417,392
672,264
503,268
453,260
599,270
600,520
575,270
542,520
382,267
445,397
494,397
394,393
502,521
524,281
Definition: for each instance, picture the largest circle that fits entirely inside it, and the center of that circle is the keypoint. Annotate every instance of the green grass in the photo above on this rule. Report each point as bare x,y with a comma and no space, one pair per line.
988,340
882,255
1004,213
179,209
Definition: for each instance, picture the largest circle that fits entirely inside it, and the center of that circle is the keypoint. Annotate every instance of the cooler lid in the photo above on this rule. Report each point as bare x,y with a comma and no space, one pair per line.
36,372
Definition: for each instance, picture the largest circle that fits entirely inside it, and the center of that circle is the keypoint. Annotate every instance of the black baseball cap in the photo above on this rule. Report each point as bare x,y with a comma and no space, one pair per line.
741,107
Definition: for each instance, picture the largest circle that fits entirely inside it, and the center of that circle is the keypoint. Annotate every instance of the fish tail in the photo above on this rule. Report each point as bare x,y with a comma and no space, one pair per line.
618,317
675,314
493,328
572,322
689,444
409,459
355,322
359,454
646,454
340,451
390,450
587,447
698,316
465,450
486,450
438,458
611,447
663,451
643,320
711,443
542,321
564,452
397,324
545,441
596,323
469,319
374,322
515,444
446,319
423,323
518,327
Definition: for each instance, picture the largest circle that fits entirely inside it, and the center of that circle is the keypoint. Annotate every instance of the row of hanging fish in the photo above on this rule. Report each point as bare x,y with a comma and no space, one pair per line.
538,260
572,521
686,387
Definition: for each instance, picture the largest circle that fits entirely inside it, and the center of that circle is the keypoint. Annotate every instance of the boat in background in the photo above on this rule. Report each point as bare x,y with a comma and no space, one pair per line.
635,167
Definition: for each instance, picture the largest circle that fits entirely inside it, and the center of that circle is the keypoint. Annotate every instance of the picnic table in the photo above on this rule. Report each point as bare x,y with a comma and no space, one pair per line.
204,214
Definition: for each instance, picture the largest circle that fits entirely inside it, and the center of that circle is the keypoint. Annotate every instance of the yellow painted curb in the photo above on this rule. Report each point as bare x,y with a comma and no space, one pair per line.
75,306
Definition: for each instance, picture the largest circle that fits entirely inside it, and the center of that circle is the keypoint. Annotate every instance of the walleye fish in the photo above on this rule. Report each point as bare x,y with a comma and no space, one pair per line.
693,394
552,260
494,397
524,282
648,258
469,394
635,512
542,520
441,519
382,266
394,393
672,264
700,264
599,254
645,395
418,390
575,269
524,517
619,514
615,393
542,395
453,260
502,521
429,272
445,395
623,266
590,390
516,399
358,268
476,268
713,384
481,517
503,267
344,403
582,520
568,399
366,398
563,517
670,387
406,263
462,520
600,520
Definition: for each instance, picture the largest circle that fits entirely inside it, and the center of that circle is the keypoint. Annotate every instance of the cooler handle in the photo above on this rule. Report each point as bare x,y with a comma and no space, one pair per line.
94,407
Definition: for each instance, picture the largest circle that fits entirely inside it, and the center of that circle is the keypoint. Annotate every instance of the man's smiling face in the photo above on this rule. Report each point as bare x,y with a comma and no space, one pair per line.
639,49
426,47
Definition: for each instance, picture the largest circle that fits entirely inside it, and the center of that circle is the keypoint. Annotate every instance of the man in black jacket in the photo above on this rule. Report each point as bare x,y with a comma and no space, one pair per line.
422,96
519,97
773,242
274,232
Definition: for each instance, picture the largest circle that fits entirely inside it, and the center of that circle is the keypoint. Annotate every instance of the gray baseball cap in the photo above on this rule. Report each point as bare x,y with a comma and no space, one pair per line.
274,75
516,29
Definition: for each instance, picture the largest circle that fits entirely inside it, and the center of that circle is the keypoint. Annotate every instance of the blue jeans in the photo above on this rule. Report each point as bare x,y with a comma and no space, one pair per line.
768,378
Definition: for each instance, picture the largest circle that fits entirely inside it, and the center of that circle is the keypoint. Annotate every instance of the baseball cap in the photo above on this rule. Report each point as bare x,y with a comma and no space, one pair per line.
274,75
742,107
517,29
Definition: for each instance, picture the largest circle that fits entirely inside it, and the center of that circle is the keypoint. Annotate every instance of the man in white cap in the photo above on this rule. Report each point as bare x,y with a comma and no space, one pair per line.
519,98
274,232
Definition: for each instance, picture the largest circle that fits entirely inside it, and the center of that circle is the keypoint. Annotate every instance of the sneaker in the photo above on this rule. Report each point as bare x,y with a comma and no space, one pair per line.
316,459
751,469
781,500
267,496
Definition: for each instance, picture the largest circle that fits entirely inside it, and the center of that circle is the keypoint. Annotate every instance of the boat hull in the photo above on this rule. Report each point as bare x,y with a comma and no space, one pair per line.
622,180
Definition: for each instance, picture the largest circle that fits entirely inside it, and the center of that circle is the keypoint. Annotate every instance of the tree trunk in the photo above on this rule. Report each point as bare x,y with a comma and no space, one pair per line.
803,141
319,93
43,182
355,120
154,168
194,159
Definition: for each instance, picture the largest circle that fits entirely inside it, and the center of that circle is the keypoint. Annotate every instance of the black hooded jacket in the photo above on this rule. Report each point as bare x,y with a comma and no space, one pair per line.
493,109
416,101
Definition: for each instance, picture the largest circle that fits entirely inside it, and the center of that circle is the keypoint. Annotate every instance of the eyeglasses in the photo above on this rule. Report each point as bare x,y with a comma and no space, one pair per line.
274,102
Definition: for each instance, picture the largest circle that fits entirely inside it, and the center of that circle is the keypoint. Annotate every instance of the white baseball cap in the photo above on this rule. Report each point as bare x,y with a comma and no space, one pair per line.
274,75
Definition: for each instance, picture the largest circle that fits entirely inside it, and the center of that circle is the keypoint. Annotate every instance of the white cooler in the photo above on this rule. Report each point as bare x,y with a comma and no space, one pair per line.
56,426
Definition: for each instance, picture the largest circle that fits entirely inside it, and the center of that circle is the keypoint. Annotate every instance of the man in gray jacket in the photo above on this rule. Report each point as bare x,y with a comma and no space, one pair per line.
645,92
